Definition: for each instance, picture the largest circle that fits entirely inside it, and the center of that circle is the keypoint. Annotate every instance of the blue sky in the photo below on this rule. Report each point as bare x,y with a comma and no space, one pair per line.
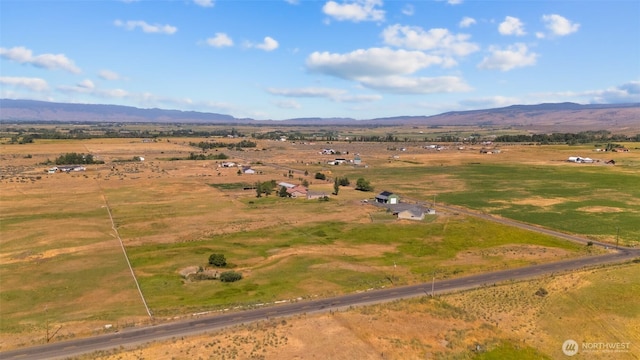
281,59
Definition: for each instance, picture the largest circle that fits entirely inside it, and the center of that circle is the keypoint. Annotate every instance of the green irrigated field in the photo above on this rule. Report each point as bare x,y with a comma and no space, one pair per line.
329,258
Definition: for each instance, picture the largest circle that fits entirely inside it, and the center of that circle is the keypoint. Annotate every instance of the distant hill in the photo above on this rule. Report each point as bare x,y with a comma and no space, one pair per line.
31,110
550,117
553,117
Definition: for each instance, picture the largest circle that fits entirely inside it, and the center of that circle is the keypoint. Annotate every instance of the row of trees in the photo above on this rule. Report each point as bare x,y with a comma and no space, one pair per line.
75,159
108,131
194,156
206,145
267,188
567,138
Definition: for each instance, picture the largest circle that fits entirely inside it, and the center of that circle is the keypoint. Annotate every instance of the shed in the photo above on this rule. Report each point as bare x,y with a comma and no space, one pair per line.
311,195
387,197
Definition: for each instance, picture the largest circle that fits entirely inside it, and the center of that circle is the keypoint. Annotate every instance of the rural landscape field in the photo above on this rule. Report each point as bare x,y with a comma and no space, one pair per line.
127,241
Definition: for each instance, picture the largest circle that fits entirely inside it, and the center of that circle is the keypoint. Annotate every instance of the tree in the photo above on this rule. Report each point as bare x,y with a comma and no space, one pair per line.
217,260
320,176
283,192
344,181
230,276
258,189
336,186
305,183
363,185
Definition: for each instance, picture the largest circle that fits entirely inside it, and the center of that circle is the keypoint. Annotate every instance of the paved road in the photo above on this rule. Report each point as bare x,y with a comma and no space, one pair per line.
136,336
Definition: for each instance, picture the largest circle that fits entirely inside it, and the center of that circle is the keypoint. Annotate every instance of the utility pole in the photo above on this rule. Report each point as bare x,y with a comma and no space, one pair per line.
46,321
433,283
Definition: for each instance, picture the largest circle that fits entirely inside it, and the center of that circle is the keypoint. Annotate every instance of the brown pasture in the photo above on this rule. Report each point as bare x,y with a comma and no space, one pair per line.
56,227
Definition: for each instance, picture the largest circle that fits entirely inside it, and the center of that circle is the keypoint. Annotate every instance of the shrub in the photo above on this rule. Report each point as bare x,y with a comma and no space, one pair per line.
363,185
542,292
230,276
217,260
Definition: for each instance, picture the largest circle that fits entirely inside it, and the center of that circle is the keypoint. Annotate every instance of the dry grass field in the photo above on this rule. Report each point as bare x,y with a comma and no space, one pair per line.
63,273
503,322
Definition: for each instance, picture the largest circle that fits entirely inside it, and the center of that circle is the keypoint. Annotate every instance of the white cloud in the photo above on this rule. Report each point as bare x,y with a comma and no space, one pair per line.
559,25
359,98
268,44
372,62
109,75
386,70
288,104
145,27
625,93
32,84
408,10
337,95
293,2
490,102
307,92
511,26
46,61
87,84
355,10
466,22
204,3
220,40
512,57
418,85
441,41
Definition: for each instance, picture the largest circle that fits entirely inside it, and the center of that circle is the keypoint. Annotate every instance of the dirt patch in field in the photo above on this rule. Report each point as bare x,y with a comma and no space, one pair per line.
278,255
600,209
539,201
506,253
14,257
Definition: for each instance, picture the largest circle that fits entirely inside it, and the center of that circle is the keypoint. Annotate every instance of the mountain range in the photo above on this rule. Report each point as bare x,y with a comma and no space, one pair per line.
548,117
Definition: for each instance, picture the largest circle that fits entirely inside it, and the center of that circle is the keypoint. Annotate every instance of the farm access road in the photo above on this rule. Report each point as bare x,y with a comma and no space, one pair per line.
198,325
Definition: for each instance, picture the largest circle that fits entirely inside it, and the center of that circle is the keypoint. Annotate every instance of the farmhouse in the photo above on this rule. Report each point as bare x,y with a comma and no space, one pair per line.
297,191
387,197
412,213
248,170
228,164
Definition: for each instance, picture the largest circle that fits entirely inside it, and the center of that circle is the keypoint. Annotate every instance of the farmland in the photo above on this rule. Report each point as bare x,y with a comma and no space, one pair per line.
64,273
